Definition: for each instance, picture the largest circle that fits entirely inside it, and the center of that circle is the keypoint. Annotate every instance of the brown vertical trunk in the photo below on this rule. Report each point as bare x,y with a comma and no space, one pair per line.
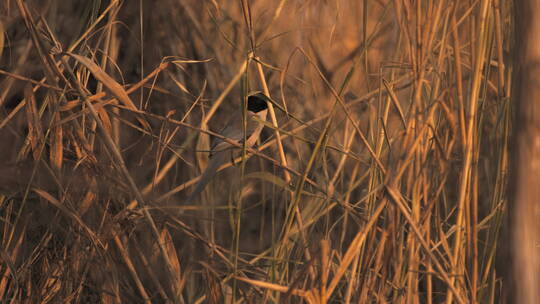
522,283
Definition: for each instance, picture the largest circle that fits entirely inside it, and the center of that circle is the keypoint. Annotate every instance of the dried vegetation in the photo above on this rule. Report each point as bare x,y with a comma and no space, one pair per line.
380,175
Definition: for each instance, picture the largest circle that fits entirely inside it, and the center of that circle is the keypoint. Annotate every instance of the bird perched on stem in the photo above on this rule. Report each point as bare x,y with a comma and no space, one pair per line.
222,151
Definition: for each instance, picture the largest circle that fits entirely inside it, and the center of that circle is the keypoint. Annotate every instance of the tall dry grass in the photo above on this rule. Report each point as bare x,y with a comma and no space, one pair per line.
380,175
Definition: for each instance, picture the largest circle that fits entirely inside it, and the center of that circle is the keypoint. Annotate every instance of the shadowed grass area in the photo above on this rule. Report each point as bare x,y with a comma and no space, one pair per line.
380,175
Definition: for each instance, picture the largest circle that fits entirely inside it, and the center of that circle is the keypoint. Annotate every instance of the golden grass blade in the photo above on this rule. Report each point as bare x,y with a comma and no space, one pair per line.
353,249
89,198
396,102
10,270
132,271
276,287
52,284
442,272
111,84
178,284
57,143
35,129
2,34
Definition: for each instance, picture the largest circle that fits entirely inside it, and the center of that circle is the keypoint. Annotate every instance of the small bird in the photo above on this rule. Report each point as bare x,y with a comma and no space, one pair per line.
222,151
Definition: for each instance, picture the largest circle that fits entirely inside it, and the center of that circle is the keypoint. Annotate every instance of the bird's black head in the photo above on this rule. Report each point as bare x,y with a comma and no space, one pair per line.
257,103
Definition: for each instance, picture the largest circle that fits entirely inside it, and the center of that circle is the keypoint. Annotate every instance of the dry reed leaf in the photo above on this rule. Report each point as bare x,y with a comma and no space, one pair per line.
107,80
395,101
81,145
53,283
10,269
203,144
97,100
325,267
166,239
275,287
131,267
181,86
89,197
444,241
4,282
72,104
1,38
110,83
97,106
57,146
354,248
34,123
107,124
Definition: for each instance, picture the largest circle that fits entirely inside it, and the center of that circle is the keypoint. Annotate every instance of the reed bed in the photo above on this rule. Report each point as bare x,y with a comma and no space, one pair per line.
380,176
